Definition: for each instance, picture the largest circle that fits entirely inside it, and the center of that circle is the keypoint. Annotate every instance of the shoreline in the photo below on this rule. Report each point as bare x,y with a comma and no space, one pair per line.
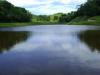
92,21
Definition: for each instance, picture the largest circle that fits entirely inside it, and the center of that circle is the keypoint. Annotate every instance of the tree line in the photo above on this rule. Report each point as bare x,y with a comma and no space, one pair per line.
11,13
88,9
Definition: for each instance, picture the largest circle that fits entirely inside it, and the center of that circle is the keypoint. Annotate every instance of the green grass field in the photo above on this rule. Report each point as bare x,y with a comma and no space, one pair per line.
13,24
86,21
26,24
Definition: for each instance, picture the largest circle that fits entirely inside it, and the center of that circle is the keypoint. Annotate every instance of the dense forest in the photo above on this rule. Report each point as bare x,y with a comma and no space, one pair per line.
11,13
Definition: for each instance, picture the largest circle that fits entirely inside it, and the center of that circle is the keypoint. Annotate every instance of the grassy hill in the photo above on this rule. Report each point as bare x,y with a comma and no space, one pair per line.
85,21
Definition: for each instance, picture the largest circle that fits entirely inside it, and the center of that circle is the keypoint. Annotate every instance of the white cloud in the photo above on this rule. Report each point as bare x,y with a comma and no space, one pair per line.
47,6
65,1
29,2
51,9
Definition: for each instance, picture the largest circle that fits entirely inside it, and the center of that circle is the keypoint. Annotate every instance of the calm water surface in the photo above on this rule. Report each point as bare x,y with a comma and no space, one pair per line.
50,50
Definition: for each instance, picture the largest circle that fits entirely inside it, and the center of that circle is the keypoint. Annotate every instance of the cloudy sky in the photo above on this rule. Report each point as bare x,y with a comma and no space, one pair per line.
48,6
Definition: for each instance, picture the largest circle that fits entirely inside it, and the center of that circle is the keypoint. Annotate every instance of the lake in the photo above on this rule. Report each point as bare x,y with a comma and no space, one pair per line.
50,50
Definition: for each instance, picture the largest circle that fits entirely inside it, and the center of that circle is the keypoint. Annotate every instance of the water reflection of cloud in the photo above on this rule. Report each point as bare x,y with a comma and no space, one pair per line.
67,46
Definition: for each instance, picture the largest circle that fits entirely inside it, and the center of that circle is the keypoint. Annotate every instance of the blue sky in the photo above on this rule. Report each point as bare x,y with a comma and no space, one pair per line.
48,6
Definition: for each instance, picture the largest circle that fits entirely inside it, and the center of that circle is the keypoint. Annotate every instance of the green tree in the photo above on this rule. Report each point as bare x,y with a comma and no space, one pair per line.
11,13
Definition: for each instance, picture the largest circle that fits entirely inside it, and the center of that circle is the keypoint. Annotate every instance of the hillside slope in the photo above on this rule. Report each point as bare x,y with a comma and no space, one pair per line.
85,21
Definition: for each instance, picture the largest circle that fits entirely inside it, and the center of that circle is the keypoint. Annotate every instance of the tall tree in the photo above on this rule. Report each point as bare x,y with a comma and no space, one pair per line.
11,13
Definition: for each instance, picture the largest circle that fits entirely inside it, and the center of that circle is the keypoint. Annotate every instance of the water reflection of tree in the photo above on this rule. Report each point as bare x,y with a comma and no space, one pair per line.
91,38
8,39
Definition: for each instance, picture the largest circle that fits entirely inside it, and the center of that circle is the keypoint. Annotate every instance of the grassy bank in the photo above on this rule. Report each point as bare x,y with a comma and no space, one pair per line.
77,21
86,21
13,24
25,24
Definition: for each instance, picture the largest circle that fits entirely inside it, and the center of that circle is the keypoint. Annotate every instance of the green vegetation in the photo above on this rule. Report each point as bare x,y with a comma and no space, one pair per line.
11,13
25,24
86,21
90,8
87,14
55,18
14,24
